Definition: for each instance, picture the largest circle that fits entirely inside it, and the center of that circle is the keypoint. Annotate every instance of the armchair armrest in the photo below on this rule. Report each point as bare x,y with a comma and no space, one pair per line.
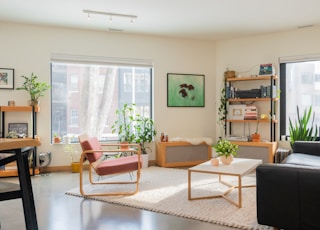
288,196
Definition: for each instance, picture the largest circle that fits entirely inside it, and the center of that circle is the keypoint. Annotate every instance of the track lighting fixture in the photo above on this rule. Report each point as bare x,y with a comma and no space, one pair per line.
110,14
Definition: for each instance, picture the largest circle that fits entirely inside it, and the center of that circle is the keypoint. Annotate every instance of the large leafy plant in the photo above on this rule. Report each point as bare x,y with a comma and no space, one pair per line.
303,129
124,125
145,131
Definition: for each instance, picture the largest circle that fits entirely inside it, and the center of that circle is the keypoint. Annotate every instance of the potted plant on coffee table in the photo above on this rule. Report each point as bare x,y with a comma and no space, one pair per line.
144,132
35,88
226,151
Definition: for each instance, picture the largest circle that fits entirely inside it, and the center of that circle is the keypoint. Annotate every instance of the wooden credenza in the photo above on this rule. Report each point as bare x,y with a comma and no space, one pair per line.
180,153
257,150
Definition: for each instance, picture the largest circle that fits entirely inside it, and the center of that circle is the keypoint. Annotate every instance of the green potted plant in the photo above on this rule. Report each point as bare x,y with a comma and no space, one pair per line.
56,138
74,156
303,129
256,136
34,88
225,150
144,132
222,110
124,125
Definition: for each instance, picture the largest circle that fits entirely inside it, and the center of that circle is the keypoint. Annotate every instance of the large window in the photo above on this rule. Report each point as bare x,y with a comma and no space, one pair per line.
300,86
86,96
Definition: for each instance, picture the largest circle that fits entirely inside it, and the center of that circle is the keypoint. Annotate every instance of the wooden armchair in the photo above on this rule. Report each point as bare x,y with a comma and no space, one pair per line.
93,151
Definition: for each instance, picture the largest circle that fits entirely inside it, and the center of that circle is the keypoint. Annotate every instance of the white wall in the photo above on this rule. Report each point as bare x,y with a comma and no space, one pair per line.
27,49
247,53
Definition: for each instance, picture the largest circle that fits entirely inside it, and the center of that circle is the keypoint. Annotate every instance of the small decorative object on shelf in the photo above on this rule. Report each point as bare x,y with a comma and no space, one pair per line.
11,103
229,73
162,137
225,150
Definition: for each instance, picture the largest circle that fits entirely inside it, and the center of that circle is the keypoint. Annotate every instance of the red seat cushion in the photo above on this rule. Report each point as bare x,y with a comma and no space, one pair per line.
92,144
117,165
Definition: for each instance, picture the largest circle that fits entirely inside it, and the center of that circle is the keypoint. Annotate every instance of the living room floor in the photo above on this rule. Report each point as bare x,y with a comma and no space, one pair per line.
57,211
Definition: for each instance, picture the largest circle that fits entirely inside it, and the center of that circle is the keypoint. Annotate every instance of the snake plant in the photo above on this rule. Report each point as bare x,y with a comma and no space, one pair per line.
303,129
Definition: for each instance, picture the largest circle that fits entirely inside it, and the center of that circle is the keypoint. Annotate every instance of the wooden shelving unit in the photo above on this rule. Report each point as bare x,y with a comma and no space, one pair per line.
10,169
272,100
255,150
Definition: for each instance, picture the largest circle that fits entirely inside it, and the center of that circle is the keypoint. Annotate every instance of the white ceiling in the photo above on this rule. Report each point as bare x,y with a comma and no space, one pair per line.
199,19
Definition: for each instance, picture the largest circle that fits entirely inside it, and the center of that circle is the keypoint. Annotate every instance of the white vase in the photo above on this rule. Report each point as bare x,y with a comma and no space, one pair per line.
145,160
226,160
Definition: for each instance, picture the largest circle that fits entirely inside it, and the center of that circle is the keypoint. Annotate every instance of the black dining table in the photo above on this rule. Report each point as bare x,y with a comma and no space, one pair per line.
18,150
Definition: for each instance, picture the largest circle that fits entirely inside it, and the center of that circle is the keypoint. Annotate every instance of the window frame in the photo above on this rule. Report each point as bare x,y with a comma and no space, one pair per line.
122,64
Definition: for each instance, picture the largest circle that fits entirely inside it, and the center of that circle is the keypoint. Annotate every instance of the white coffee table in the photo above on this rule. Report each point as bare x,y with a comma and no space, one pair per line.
239,168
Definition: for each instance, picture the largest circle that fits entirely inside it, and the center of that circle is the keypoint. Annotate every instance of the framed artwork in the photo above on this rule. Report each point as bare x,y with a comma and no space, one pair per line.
185,90
6,78
236,112
20,129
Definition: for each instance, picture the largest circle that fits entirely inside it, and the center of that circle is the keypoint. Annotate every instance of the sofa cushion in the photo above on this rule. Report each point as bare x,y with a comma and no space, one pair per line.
307,147
303,159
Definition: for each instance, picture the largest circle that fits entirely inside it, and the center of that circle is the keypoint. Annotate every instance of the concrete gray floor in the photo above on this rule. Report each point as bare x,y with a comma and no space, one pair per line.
57,211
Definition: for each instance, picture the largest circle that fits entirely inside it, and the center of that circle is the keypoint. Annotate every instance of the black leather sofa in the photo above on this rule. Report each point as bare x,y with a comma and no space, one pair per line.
288,194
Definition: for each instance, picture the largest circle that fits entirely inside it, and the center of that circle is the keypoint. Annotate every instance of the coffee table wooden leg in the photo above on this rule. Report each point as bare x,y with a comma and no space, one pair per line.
189,185
239,191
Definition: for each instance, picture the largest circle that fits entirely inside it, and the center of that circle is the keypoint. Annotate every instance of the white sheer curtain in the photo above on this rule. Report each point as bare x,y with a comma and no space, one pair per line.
96,99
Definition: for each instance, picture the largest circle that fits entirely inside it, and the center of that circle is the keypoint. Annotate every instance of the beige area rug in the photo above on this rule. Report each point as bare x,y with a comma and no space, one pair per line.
165,190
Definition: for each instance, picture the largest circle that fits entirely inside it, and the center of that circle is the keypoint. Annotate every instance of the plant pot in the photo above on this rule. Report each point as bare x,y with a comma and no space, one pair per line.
255,137
124,146
56,140
75,167
226,160
33,102
145,160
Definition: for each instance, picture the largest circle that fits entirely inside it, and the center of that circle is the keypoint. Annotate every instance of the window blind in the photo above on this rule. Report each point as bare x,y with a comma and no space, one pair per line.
114,61
300,58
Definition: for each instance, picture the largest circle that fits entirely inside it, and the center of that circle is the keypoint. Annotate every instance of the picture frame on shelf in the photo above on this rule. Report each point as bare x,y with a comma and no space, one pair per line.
266,69
20,129
6,78
185,90
236,112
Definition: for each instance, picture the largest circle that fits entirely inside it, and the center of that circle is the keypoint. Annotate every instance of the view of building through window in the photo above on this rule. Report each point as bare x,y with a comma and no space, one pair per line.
302,90
86,96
